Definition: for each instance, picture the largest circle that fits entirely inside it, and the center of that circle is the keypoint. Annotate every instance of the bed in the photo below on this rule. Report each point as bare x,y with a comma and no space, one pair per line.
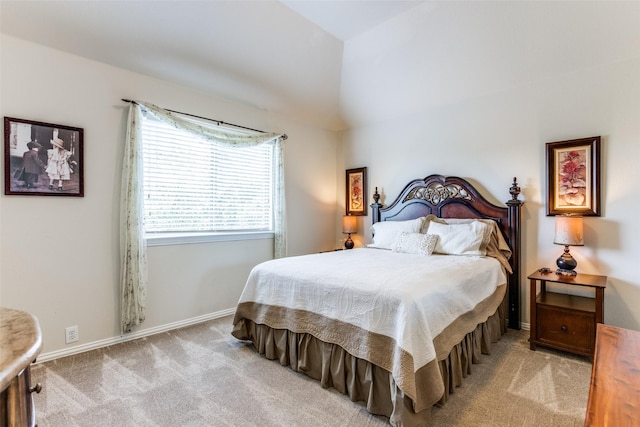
396,325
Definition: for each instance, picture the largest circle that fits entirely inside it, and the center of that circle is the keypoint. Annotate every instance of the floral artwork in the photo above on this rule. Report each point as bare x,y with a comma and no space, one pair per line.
574,177
356,200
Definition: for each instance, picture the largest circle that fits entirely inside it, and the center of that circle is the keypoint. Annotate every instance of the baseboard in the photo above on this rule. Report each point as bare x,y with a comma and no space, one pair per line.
45,357
523,326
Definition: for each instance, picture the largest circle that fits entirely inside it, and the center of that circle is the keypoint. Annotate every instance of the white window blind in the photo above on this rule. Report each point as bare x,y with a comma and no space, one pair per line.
194,185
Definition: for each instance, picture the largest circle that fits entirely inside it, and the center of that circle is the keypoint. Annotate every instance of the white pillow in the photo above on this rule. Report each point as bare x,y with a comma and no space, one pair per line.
415,243
461,239
386,233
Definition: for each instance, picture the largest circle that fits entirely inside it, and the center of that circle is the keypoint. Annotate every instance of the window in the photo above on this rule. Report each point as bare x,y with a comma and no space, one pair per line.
192,185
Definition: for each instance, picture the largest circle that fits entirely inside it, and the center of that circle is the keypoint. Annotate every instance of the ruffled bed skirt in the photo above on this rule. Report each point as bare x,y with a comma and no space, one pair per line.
363,381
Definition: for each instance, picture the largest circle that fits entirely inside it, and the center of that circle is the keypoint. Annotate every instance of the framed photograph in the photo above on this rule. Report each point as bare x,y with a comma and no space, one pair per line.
356,191
42,159
573,177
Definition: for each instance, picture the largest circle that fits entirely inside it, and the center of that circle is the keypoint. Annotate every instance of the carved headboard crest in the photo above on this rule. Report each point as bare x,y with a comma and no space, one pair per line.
435,192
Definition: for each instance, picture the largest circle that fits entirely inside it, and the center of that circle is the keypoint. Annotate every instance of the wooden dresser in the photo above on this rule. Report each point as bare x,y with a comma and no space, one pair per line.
20,344
614,395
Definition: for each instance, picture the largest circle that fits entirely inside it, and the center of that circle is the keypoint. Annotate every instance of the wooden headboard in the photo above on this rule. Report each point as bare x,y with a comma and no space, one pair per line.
453,197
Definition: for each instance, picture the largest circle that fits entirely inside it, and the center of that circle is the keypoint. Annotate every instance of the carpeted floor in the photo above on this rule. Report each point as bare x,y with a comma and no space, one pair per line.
202,376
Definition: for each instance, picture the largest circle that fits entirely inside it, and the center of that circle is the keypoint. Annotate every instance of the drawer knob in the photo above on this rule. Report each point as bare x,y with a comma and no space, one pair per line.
37,388
564,328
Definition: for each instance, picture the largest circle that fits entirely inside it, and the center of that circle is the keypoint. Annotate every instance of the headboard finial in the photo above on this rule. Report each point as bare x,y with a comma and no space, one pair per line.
514,190
376,196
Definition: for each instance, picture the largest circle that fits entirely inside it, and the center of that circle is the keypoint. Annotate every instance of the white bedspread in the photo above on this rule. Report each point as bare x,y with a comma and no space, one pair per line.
410,298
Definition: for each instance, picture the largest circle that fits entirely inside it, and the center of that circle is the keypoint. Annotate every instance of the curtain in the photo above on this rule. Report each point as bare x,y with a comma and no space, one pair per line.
133,246
133,243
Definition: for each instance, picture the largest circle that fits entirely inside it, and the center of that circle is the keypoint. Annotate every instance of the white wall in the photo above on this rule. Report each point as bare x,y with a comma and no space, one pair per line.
476,89
59,255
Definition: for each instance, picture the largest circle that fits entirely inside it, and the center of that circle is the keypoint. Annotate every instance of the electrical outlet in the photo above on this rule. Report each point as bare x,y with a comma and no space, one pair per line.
71,334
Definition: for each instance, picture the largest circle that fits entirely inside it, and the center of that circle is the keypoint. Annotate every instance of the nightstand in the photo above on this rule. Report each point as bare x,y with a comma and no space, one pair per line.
565,322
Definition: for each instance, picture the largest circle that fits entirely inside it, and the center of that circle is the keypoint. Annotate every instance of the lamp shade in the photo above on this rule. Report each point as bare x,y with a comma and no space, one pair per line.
349,224
569,231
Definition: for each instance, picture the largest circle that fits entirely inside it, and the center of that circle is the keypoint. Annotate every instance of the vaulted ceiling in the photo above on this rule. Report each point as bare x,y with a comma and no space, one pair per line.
283,56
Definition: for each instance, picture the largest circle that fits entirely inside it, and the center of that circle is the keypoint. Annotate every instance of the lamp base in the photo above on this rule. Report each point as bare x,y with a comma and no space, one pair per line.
566,263
348,244
563,272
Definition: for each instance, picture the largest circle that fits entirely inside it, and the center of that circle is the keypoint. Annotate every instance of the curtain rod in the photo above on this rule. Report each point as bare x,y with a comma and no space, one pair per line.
219,122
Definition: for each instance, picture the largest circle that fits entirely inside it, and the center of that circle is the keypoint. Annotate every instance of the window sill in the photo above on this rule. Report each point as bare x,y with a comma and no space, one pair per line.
192,238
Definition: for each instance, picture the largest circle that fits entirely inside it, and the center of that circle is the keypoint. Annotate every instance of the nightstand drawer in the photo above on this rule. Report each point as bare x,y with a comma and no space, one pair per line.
568,328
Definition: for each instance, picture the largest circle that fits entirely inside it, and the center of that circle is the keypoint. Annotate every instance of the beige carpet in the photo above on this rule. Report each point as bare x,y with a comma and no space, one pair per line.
202,376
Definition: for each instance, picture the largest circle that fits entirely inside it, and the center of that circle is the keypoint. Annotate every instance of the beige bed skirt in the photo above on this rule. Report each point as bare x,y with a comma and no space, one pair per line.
363,381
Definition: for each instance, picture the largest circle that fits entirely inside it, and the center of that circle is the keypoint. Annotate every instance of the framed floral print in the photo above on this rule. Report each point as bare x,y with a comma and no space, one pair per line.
42,159
573,177
356,191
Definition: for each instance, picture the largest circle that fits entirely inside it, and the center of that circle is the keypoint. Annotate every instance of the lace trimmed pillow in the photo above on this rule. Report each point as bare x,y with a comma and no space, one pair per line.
415,243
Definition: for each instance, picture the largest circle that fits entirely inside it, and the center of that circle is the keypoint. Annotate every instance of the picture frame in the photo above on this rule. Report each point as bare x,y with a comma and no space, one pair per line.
356,191
573,177
42,159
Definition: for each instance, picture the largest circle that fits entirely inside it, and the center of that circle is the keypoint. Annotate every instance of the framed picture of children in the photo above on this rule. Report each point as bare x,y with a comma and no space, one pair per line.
42,159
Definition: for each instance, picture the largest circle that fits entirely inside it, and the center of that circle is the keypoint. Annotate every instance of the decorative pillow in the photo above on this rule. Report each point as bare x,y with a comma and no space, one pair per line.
415,243
386,233
461,239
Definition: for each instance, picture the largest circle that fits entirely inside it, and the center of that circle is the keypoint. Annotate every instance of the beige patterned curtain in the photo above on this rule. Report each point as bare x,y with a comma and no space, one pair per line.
132,237
133,245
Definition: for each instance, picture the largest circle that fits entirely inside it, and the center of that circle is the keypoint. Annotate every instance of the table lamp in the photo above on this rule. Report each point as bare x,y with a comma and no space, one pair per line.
569,232
349,226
